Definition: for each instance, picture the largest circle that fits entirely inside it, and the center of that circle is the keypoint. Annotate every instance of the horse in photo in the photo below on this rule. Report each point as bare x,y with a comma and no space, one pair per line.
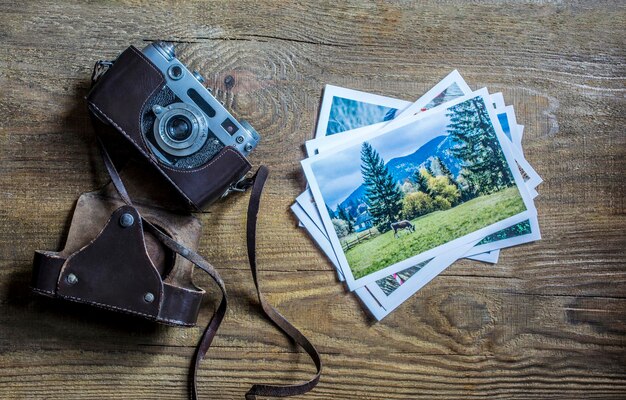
400,225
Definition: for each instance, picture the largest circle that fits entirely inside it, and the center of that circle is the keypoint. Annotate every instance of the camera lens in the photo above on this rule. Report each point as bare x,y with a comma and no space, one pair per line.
178,128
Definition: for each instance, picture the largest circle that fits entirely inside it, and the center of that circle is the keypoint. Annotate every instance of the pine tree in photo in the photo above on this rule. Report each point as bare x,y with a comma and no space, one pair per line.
444,171
429,168
435,166
484,167
345,215
384,197
420,180
500,169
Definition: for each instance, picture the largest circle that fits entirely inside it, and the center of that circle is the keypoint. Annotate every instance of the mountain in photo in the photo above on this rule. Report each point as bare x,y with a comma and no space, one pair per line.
401,168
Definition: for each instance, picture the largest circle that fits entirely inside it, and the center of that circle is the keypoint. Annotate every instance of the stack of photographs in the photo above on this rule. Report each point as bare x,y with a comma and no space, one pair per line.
398,191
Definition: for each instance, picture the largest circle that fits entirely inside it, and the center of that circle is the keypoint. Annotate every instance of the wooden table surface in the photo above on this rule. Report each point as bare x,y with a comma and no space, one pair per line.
547,321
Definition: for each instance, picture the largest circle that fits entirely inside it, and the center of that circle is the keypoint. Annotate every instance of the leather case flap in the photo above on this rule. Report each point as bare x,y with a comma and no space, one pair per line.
114,270
123,268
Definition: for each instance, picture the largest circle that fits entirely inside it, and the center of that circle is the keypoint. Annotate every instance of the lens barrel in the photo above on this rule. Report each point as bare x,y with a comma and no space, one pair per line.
180,129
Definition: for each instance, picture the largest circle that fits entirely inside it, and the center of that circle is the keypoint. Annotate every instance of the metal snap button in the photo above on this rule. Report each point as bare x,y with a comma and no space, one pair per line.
148,297
71,279
127,220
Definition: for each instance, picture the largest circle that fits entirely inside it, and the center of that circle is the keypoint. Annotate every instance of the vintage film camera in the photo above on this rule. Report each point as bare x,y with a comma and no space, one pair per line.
152,101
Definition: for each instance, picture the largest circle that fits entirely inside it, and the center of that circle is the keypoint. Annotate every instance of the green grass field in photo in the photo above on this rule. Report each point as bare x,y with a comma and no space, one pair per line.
433,230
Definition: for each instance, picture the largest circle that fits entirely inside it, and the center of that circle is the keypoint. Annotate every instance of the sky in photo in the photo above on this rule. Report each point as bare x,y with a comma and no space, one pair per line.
347,114
339,173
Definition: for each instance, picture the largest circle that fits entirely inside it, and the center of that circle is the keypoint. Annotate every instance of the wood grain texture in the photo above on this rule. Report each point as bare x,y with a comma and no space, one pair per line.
548,321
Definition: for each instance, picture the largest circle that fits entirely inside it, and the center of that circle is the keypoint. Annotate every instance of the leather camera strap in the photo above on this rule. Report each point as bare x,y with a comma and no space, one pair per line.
287,328
209,333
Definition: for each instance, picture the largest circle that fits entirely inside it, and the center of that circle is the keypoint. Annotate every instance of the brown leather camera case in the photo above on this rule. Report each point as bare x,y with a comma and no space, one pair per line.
112,264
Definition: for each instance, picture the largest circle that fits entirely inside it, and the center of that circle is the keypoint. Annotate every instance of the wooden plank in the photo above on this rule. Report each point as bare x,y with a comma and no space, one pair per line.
141,374
546,322
452,315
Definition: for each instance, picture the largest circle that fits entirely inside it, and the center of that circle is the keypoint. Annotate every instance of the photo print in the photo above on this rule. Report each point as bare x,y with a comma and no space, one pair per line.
490,252
448,177
346,109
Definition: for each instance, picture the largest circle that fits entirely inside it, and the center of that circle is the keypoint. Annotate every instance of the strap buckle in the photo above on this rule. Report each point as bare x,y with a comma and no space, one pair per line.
241,185
99,69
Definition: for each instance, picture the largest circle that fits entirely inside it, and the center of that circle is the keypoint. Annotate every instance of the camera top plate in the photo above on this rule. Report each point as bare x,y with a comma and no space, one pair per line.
187,87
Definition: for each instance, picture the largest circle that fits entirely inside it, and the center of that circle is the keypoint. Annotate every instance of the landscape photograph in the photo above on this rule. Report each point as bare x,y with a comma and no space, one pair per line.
417,187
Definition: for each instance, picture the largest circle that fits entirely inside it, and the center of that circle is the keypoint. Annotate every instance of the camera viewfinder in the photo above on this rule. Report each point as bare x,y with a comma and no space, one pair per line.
229,126
204,106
